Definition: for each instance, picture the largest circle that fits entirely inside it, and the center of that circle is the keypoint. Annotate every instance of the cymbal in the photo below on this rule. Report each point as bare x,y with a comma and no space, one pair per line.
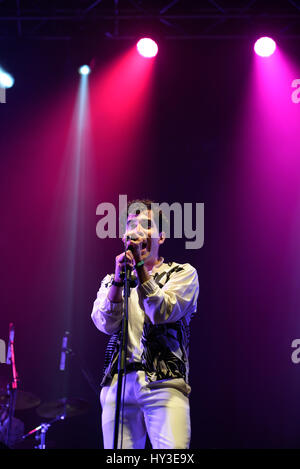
69,407
24,400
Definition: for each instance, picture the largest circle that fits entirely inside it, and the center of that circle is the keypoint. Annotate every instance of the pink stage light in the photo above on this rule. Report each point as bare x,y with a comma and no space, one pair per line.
147,47
265,46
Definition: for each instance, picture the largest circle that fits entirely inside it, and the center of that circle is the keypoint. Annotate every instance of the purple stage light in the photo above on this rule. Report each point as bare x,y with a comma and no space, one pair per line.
265,46
147,47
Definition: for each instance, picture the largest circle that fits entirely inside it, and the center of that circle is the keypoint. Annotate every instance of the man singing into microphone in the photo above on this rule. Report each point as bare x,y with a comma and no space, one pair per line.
160,307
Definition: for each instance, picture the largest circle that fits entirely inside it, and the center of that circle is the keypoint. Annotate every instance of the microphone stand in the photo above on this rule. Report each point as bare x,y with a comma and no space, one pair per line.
130,281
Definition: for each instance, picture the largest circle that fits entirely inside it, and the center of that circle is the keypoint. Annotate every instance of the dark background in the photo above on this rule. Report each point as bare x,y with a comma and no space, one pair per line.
245,388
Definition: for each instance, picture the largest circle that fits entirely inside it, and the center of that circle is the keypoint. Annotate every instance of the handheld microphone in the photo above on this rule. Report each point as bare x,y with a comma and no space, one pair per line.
64,351
130,278
131,238
129,248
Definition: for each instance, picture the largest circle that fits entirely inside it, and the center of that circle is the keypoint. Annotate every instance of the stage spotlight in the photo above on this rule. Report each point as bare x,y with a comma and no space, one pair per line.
147,47
6,80
84,70
265,46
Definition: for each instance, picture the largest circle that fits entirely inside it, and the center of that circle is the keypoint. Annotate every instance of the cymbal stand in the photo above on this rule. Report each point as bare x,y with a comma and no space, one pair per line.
41,431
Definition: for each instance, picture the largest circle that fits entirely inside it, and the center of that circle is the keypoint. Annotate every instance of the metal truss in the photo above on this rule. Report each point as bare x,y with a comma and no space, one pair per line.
127,19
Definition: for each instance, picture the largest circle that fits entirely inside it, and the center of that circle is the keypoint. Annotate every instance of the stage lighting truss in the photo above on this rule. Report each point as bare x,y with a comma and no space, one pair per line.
130,19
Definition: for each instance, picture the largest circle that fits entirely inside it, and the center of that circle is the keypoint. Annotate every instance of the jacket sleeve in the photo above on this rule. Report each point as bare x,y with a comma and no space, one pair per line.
106,315
177,298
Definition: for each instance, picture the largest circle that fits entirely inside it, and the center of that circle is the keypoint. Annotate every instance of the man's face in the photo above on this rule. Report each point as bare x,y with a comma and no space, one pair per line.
143,229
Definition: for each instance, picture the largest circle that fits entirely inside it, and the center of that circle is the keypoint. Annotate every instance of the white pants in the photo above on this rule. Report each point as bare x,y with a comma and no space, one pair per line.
160,409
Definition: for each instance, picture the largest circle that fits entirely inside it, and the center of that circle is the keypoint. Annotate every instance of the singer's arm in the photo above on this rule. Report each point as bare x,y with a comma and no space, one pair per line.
142,273
108,307
107,314
115,294
115,291
177,298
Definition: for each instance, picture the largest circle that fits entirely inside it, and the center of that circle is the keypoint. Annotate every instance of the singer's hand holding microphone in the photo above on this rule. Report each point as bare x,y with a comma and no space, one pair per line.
131,256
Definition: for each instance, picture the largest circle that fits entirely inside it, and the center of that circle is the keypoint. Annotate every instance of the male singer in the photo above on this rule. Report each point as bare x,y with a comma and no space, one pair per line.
156,395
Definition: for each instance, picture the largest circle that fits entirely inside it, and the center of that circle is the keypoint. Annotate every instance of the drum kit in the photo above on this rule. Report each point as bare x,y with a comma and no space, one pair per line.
13,399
